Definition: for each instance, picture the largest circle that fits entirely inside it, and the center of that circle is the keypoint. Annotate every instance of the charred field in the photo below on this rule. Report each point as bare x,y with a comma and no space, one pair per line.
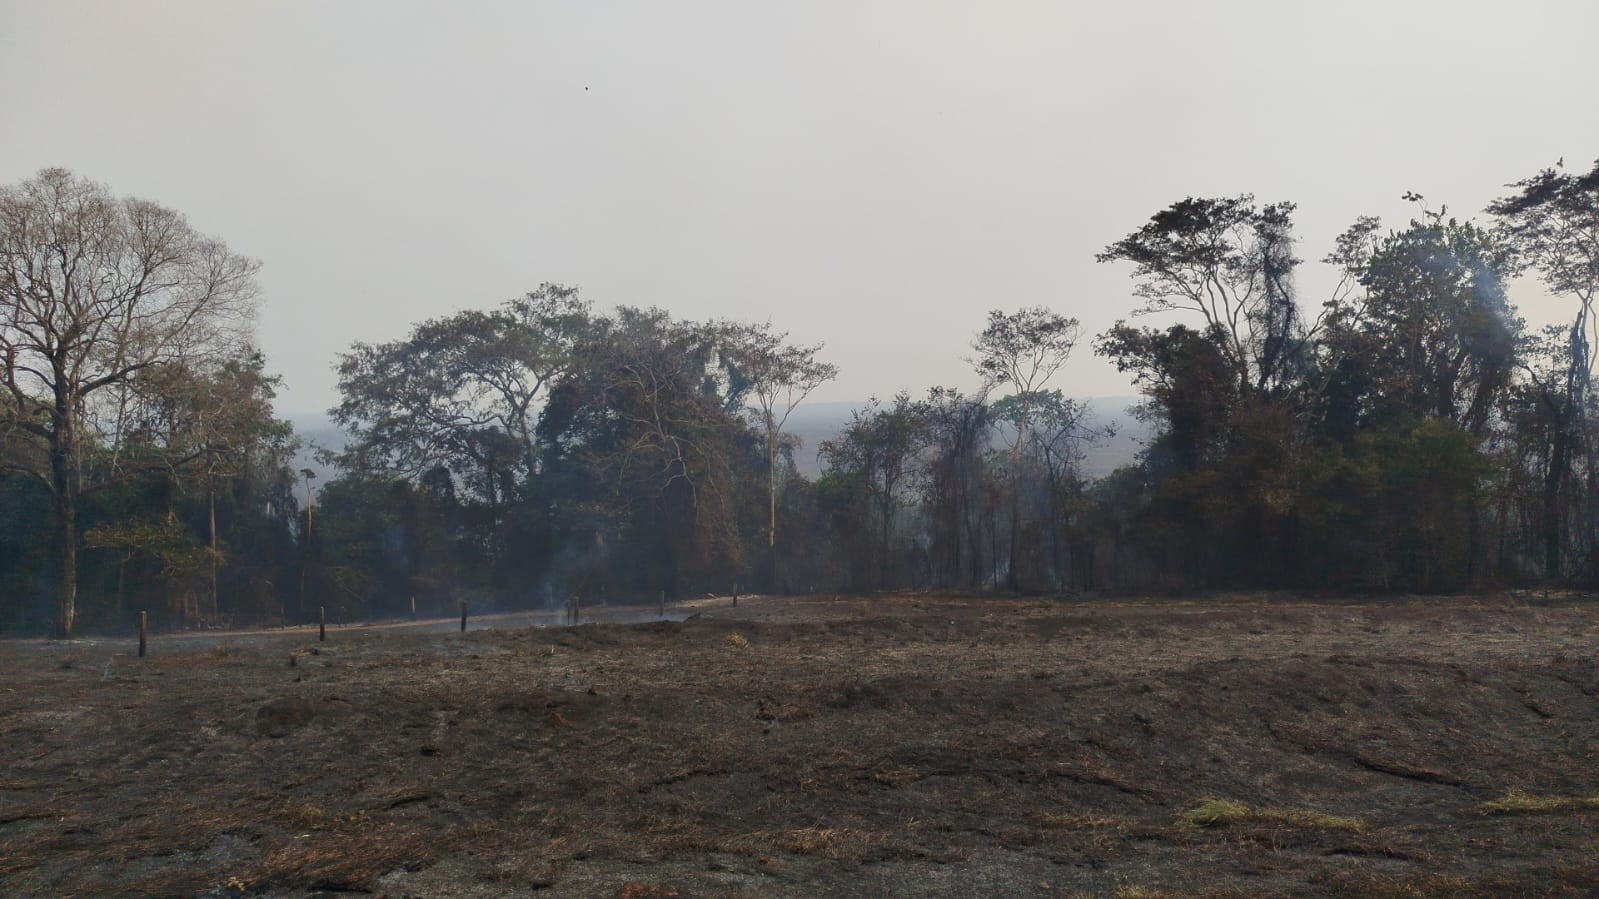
907,746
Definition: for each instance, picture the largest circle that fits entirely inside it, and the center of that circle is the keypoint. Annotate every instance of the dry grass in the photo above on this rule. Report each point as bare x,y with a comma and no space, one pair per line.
1222,813
305,816
1081,822
346,860
1516,802
818,842
896,777
1133,891
737,640
647,891
217,657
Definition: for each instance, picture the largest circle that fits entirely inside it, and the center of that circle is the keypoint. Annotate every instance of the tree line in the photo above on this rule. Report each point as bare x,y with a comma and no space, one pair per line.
1406,432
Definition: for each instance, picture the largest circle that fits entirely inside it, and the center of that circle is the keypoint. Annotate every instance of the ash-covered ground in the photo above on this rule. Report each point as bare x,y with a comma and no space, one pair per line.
879,746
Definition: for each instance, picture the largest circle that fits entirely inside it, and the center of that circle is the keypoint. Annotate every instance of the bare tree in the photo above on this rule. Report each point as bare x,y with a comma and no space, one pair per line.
94,291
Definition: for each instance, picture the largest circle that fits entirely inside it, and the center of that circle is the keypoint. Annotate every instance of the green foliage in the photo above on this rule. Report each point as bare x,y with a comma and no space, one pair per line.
1222,813
1519,802
1407,436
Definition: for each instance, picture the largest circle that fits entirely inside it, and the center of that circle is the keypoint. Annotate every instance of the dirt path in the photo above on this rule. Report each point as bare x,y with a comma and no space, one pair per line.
885,746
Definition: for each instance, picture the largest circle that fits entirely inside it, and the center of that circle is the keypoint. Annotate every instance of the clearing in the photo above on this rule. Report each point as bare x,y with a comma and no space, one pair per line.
906,746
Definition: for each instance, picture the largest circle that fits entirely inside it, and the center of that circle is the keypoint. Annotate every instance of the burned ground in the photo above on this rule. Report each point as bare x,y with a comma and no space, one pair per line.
883,746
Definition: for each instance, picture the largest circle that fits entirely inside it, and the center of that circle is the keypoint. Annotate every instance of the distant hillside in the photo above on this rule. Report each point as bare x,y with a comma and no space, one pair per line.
812,423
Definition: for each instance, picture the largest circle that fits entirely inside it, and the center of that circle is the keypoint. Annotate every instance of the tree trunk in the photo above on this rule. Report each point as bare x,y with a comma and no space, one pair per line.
882,573
1473,538
771,481
1013,576
1551,504
67,564
64,484
211,499
771,488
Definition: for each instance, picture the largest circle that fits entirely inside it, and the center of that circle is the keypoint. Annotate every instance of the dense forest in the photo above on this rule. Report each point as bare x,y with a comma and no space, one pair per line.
1406,433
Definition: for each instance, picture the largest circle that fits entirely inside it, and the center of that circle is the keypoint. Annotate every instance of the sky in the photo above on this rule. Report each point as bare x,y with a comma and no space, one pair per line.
874,176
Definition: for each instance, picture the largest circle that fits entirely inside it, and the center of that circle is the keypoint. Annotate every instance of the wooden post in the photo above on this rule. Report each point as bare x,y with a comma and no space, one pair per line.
463,616
735,595
663,603
144,627
413,605
322,624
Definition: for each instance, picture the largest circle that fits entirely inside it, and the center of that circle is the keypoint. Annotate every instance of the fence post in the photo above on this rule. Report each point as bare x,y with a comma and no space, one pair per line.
144,626
463,616
322,624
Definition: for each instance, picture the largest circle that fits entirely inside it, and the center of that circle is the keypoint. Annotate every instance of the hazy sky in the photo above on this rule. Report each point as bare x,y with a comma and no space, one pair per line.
872,175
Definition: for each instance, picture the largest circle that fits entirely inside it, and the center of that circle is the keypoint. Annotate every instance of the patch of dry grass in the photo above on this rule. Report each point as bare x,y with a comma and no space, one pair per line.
1517,802
347,860
737,640
819,842
1081,822
1133,891
224,656
305,816
897,776
647,891
1222,813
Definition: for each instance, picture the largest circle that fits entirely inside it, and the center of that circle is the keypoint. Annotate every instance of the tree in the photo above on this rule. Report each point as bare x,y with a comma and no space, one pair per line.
202,427
647,435
462,391
1188,382
162,540
1431,333
780,377
1232,263
95,291
1024,350
1552,225
959,435
879,448
1050,458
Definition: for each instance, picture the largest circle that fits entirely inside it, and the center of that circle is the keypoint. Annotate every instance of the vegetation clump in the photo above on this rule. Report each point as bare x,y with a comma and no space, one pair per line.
1518,802
1224,813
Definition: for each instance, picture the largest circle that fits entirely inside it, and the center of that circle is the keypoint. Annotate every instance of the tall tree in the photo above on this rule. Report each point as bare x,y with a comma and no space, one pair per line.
463,391
959,435
94,291
1552,224
204,427
1232,263
652,416
780,377
1024,350
1431,330
879,447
